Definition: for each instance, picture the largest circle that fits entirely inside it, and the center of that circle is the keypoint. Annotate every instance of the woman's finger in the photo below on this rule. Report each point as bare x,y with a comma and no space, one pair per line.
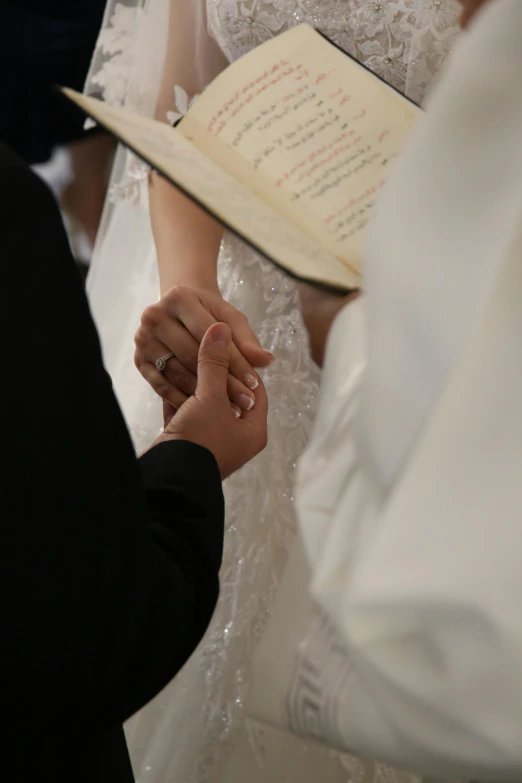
242,370
162,386
239,394
185,346
178,375
243,336
181,342
175,371
197,319
188,310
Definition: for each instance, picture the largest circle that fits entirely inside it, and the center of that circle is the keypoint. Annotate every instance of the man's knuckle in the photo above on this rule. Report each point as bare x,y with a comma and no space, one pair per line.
217,361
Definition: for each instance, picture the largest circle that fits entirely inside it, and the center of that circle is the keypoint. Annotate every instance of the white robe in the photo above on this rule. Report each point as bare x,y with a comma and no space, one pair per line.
410,493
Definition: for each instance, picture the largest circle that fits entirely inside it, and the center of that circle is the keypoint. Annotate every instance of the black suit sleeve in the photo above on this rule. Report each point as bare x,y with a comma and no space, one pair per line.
108,565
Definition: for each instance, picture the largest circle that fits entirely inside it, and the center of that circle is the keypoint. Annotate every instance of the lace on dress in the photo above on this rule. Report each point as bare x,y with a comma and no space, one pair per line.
404,41
129,61
189,732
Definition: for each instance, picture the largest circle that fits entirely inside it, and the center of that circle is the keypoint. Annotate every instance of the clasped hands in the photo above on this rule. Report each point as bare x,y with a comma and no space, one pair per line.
211,392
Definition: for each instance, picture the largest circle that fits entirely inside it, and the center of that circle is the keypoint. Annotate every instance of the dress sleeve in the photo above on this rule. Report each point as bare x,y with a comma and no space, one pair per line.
409,495
145,49
152,57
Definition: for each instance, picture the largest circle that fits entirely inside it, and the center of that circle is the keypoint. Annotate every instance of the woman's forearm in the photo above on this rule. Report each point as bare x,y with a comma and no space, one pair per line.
187,238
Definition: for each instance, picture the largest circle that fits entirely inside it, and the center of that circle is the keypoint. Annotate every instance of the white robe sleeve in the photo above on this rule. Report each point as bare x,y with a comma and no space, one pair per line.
410,494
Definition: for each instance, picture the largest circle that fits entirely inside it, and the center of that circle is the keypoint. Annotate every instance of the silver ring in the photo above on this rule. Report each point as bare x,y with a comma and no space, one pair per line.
161,363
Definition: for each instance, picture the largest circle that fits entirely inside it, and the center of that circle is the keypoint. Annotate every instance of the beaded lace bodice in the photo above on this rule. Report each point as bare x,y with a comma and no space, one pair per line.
405,41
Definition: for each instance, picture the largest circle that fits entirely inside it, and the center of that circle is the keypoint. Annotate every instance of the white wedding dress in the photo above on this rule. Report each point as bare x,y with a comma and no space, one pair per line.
194,731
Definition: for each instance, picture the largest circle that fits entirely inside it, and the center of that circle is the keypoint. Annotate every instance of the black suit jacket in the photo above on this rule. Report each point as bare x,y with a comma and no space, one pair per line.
108,565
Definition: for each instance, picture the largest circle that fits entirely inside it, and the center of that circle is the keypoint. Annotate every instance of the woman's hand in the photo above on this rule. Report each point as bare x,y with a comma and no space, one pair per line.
319,309
207,420
176,324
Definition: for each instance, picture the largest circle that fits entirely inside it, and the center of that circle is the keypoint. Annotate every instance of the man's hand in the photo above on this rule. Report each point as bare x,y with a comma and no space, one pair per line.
176,324
207,418
319,309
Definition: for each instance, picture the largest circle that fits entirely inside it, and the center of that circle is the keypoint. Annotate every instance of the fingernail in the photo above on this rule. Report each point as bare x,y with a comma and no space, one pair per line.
221,335
246,402
251,381
236,411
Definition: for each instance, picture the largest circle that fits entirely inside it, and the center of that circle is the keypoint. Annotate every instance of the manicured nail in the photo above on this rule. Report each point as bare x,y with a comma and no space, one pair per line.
246,402
251,381
236,411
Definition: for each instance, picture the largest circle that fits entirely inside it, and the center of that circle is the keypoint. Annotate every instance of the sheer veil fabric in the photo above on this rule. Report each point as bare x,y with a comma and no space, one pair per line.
195,730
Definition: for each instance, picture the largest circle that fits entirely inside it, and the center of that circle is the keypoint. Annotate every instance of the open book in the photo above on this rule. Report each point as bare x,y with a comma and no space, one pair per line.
288,148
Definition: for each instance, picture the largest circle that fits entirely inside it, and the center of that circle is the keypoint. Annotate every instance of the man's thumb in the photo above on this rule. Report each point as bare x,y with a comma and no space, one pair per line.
214,361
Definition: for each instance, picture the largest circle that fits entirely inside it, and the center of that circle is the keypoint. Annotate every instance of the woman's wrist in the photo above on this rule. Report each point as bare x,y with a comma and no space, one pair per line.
189,278
187,240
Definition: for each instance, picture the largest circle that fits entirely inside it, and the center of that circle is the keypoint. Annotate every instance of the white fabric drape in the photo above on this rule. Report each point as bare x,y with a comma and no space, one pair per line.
410,494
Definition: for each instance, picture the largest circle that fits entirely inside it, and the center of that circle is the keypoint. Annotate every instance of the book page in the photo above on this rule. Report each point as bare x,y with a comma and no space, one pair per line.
310,129
234,204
